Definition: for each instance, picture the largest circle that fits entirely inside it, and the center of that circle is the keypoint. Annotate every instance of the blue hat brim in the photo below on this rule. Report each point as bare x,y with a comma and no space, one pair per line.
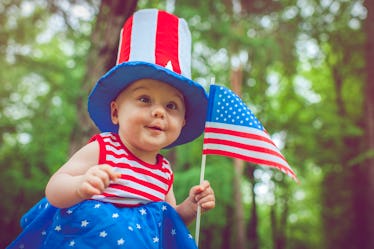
119,77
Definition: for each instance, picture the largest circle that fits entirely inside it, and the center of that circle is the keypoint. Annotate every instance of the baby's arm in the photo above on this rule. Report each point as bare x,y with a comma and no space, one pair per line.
202,195
79,178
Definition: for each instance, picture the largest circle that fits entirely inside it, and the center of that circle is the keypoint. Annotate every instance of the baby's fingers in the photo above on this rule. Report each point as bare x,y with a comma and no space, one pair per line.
205,196
207,202
112,174
196,190
86,191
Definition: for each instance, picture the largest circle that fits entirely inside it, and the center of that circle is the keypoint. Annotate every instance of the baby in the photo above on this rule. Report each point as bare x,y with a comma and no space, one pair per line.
117,190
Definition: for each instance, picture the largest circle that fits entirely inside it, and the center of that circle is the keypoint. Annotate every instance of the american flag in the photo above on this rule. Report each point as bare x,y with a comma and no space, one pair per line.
232,130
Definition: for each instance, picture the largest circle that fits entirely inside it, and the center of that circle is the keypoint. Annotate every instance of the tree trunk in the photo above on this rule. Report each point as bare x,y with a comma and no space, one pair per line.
278,220
227,233
236,83
102,56
252,234
208,238
337,195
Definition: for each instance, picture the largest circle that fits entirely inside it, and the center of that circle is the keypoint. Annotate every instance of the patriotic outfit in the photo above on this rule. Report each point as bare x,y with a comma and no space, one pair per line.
130,213
140,182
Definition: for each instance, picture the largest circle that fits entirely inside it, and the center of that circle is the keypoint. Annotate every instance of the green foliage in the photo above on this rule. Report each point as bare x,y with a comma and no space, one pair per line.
303,76
40,82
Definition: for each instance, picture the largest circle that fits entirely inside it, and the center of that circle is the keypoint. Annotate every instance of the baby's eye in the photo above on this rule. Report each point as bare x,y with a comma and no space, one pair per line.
172,106
144,99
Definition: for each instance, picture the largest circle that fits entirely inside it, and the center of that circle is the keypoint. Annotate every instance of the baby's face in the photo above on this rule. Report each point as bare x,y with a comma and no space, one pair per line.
150,114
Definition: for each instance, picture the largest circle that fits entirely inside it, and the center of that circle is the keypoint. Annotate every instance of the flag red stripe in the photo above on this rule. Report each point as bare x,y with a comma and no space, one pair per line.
244,146
249,159
238,134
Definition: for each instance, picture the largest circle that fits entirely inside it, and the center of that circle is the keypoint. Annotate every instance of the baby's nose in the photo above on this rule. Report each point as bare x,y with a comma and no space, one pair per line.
158,112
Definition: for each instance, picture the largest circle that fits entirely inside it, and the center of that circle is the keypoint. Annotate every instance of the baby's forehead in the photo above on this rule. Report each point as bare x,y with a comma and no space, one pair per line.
154,84
151,86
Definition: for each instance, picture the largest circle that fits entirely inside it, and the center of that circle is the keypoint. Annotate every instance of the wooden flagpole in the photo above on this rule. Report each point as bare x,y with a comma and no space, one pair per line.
202,173
198,215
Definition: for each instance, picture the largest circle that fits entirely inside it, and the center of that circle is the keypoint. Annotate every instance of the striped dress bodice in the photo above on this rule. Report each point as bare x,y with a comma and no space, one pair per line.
140,182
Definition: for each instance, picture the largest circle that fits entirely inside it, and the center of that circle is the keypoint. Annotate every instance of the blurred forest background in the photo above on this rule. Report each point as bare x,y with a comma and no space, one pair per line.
305,67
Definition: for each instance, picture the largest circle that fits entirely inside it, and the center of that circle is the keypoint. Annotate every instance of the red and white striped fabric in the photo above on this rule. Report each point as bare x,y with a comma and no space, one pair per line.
157,37
233,130
140,182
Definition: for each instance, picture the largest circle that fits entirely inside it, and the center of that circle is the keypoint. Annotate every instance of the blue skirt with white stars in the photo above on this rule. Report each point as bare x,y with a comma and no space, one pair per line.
95,224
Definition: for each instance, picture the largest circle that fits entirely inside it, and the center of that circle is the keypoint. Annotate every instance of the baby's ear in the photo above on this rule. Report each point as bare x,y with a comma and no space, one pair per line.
114,112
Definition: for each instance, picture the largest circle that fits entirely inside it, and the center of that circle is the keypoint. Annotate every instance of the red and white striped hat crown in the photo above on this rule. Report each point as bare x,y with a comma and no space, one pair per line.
157,37
156,45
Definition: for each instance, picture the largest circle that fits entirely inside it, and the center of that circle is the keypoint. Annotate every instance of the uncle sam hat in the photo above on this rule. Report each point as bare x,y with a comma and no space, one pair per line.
155,45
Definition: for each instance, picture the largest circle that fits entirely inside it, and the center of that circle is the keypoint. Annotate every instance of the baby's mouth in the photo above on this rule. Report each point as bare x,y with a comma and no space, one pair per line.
156,128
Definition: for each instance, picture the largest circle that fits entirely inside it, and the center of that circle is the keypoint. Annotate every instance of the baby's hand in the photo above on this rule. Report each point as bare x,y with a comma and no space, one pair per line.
203,195
96,180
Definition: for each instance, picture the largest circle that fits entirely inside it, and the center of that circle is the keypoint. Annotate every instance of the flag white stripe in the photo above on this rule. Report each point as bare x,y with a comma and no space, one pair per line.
240,139
237,128
245,141
247,153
